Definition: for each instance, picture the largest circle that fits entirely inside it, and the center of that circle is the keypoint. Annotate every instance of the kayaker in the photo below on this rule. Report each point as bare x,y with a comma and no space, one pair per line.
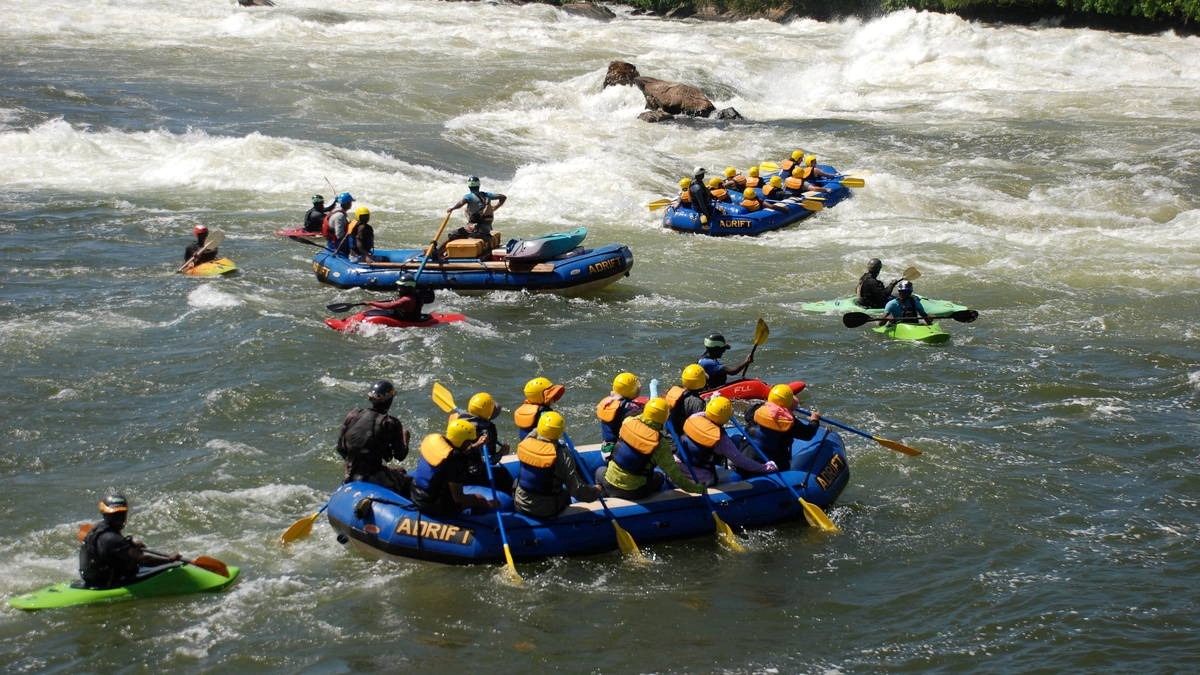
642,446
705,442
360,236
370,438
871,292
717,372
107,558
906,306
540,393
773,426
437,486
481,410
684,400
315,217
548,477
409,305
734,181
700,199
334,227
614,408
195,253
480,210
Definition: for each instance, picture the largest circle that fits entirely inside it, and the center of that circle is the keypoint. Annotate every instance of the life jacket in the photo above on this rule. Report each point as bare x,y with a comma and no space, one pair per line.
772,430
787,165
430,475
636,443
673,395
700,435
737,182
536,473
771,191
908,307
611,412
685,198
752,205
361,440
719,194
327,230
98,572
753,181
526,417
793,184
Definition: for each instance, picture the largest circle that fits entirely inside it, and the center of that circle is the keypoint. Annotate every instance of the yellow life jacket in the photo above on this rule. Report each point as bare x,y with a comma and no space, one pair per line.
640,436
702,430
751,204
773,417
526,415
673,395
607,409
794,184
435,449
537,452
753,181
718,193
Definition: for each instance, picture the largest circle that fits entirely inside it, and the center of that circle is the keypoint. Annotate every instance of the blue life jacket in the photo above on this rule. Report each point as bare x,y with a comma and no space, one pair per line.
536,472
636,443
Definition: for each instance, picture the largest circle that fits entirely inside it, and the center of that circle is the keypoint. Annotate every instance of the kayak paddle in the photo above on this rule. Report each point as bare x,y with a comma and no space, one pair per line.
624,540
856,319
812,513
344,306
890,445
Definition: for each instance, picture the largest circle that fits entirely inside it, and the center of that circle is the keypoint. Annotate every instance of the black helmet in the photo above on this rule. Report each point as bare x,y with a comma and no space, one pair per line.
905,286
473,182
318,199
114,503
382,390
874,265
715,340
407,279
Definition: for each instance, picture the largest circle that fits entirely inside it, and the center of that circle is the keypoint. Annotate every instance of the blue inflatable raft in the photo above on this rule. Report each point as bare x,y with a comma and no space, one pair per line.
577,271
382,524
736,221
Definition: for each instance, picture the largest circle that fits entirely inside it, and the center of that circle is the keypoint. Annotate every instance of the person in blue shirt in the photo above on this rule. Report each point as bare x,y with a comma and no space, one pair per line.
718,373
906,307
480,210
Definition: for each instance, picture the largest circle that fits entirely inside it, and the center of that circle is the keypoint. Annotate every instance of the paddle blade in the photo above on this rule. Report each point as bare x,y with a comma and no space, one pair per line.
897,446
211,564
658,204
912,274
513,576
761,333
726,536
855,319
812,205
341,306
965,315
817,518
768,167
627,545
299,529
443,398
853,182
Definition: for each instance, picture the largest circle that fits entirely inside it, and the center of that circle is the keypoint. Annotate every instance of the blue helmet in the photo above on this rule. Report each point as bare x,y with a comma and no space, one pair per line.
905,286
345,199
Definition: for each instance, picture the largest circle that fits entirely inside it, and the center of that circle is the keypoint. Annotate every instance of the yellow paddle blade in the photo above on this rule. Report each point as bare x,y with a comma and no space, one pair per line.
897,446
628,546
658,204
761,333
812,204
816,517
211,564
768,167
853,182
299,529
513,576
443,398
912,274
726,535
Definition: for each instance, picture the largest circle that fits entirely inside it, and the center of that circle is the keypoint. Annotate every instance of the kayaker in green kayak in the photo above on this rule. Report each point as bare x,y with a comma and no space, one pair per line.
107,558
907,307
871,292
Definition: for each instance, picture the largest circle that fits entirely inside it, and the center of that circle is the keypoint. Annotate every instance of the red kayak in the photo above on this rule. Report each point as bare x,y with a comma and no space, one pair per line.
349,323
749,388
298,232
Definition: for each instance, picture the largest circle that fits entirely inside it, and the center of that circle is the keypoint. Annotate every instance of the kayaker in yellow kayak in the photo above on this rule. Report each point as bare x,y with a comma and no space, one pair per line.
107,558
196,253
907,307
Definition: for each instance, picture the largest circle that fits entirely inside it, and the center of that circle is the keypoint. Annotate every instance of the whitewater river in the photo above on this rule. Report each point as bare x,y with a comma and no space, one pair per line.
1046,177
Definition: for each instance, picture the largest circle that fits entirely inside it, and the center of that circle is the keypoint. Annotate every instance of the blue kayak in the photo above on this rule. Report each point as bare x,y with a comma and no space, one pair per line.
382,524
545,247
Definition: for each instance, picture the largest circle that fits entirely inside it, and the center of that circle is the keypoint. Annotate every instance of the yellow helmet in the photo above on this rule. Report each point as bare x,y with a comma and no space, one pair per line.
753,171
483,405
714,182
730,172
797,172
809,160
781,395
551,426
719,409
776,181
749,193
627,385
540,390
694,377
685,183
656,411
362,211
797,154
459,431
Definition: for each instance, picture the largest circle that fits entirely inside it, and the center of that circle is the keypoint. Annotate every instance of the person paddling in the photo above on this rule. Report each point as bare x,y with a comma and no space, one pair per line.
196,253
871,292
409,305
314,218
441,472
614,408
717,372
480,412
547,477
540,394
643,445
905,307
108,558
772,426
705,443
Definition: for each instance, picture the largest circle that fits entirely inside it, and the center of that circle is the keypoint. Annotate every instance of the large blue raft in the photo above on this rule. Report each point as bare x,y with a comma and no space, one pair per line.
382,524
577,271
736,221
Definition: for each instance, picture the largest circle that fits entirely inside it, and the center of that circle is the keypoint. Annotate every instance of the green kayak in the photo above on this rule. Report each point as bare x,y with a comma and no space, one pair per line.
172,581
935,308
919,332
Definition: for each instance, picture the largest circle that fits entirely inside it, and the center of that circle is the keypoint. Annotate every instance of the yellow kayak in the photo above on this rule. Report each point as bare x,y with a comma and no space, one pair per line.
212,268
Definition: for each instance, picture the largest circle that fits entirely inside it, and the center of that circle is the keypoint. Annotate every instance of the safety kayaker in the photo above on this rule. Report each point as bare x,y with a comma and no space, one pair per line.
684,399
334,227
906,306
705,441
540,393
408,305
108,558
370,438
700,199
481,410
548,477
481,207
315,217
773,426
614,408
642,446
871,292
360,236
717,372
196,253
437,487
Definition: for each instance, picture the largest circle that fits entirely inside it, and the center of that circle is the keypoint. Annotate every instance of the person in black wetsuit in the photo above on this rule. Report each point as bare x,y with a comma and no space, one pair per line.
195,252
370,438
700,198
107,558
872,293
315,217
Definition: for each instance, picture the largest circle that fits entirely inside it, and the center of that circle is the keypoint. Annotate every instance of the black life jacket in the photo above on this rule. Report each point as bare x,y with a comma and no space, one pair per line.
98,572
362,442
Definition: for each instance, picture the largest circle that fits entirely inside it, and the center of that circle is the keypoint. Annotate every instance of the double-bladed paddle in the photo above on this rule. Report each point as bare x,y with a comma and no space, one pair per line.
856,319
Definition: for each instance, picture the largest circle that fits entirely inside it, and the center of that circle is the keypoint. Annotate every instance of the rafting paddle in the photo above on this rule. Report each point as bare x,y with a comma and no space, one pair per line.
445,400
432,247
852,182
812,513
213,241
890,445
624,540
658,204
301,528
724,533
